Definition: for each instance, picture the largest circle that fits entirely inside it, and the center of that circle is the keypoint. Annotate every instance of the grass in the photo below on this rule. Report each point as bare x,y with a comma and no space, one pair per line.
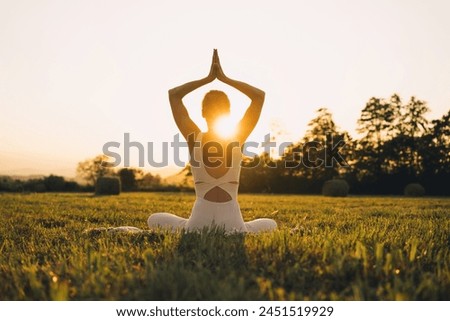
355,248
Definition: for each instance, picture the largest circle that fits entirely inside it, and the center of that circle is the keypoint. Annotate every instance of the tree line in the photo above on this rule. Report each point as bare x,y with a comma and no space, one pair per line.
51,183
132,179
398,146
90,170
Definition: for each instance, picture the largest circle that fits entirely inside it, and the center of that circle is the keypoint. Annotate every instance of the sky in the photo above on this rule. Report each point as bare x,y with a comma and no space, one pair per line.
75,75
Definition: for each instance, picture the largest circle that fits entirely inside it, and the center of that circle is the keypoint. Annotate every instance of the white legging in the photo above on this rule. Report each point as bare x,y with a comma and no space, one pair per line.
209,214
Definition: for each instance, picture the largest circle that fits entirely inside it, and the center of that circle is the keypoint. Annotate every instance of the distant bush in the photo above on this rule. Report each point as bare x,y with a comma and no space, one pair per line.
414,189
8,184
72,187
39,188
108,185
335,187
54,183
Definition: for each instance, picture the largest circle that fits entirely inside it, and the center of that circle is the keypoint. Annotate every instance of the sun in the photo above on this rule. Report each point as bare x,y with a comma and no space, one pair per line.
225,126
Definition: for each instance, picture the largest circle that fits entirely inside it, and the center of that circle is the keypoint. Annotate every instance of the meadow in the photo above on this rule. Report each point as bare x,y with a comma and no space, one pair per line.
353,248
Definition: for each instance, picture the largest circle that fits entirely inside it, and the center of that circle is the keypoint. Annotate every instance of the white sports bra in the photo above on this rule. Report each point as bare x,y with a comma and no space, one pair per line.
204,182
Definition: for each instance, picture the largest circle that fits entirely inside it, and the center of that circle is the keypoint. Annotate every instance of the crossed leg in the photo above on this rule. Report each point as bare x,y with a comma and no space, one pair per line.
173,222
260,225
167,221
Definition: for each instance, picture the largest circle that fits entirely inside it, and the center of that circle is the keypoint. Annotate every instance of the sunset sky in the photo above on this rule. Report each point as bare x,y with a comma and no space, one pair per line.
77,74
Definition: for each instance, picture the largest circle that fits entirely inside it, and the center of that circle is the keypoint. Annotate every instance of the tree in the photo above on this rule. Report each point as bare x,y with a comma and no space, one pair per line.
54,183
376,120
325,148
91,169
378,124
129,178
149,182
413,123
441,142
322,154
434,152
412,126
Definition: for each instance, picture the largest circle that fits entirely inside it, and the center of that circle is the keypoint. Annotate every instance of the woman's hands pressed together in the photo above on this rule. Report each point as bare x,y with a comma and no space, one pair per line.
216,71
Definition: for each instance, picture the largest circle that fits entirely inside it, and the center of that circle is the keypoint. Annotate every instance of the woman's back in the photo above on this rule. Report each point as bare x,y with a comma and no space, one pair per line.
215,166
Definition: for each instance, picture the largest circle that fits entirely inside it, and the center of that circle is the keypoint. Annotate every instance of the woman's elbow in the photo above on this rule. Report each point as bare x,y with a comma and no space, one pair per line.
259,97
173,94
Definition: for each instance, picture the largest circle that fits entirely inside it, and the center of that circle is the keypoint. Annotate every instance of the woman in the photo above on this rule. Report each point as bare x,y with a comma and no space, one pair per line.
215,161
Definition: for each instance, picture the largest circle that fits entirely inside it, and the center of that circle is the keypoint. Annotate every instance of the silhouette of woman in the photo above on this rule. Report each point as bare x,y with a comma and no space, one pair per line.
215,161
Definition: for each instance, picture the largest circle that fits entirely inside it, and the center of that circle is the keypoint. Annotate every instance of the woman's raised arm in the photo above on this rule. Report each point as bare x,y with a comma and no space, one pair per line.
179,111
251,116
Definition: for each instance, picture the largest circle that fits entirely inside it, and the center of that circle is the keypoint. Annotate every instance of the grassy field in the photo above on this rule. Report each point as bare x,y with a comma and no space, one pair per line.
355,248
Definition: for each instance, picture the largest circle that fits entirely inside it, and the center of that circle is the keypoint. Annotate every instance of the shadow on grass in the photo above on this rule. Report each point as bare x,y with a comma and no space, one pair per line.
213,249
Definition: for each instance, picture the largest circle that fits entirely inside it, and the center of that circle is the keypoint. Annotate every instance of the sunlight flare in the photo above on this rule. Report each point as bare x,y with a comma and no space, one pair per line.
225,126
